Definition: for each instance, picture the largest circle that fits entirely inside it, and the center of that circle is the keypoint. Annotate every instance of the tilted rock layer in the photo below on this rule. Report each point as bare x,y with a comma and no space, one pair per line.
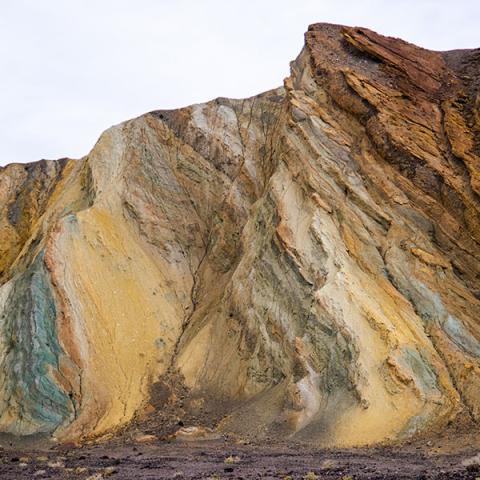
303,263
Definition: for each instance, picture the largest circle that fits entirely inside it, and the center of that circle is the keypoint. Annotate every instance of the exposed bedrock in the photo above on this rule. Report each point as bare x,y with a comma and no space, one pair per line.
303,263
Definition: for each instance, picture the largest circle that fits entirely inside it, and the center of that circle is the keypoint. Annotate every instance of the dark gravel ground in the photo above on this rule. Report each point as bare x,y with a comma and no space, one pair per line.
163,460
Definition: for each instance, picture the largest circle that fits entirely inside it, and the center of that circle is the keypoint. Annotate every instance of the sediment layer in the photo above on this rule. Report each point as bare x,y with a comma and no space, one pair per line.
303,263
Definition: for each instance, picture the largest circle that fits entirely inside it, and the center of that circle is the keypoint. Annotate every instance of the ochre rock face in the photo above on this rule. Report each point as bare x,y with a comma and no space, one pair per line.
303,263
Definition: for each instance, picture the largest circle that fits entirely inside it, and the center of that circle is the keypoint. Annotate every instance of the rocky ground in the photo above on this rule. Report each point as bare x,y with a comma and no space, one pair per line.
225,459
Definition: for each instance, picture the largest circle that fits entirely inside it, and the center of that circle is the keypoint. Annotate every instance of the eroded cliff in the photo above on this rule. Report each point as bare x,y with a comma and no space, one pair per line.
301,263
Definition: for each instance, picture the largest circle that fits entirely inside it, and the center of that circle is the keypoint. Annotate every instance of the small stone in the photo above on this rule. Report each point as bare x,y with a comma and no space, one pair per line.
232,459
79,470
145,438
95,476
328,464
194,433
109,471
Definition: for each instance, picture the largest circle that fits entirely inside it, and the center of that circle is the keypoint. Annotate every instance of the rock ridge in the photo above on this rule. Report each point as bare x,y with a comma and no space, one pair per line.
300,264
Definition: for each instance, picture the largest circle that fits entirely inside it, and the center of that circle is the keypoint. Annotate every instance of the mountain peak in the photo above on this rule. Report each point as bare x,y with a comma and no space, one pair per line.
303,263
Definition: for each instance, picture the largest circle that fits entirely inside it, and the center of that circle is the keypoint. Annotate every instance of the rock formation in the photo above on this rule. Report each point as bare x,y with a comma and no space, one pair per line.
303,263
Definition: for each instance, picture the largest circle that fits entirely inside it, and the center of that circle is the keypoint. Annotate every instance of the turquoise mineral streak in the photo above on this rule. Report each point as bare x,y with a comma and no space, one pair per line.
28,325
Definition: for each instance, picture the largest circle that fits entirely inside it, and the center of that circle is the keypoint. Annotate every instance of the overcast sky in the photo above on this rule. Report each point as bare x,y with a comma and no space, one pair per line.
69,69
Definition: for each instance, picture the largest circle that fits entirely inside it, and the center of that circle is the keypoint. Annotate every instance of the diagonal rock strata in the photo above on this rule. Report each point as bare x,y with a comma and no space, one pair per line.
300,263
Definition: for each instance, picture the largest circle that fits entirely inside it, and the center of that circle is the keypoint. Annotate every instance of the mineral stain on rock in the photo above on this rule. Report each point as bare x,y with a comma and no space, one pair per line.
302,264
32,401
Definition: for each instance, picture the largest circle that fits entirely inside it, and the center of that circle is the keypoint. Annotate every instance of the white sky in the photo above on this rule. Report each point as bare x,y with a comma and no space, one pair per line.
71,68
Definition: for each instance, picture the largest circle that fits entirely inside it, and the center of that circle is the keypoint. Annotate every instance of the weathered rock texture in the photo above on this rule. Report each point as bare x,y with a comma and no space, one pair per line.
304,262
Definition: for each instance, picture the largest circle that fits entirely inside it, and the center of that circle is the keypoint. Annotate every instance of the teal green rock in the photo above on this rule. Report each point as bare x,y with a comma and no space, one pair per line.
31,399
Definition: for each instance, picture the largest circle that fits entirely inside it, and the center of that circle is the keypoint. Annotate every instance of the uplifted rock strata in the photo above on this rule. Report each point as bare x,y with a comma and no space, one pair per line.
303,263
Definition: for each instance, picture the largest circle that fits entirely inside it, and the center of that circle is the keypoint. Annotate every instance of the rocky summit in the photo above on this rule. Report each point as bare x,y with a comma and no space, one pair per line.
302,264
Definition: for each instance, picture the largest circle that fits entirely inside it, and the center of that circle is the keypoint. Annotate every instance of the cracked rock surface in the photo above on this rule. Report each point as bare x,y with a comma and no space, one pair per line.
299,264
